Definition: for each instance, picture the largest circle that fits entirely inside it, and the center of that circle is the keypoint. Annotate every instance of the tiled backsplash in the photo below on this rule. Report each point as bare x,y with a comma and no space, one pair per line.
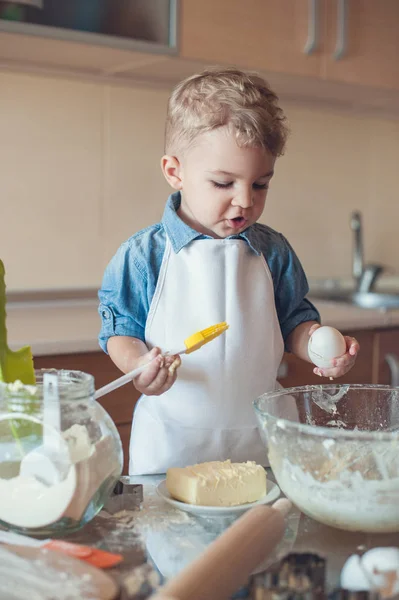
80,173
336,163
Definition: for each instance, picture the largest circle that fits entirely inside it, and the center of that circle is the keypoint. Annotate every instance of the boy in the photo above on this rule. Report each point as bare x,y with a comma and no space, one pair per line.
209,261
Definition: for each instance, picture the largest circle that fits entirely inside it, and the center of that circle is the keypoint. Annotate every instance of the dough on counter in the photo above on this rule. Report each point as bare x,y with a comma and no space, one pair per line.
217,483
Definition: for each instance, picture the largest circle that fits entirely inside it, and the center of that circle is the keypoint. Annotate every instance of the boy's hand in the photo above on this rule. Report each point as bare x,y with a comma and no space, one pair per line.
160,374
341,365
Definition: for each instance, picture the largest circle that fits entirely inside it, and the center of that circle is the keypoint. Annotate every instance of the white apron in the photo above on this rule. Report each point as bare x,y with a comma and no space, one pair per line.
208,412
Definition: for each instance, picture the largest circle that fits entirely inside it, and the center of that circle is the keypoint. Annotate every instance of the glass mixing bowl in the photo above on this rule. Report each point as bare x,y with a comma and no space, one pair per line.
334,450
85,456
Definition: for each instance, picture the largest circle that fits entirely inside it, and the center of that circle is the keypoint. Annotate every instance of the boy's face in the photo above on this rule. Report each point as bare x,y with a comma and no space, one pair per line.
223,186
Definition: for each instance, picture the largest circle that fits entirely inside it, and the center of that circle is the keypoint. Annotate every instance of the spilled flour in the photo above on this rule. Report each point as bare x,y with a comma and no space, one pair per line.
22,578
141,576
174,538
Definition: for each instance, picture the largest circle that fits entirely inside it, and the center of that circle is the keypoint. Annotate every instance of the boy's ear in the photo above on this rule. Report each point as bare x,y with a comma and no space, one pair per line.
171,168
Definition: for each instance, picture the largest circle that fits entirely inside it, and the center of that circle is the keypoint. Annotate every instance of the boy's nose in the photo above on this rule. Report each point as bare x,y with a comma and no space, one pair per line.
244,199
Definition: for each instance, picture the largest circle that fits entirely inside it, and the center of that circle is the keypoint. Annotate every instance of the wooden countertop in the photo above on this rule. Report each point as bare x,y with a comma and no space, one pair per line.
71,326
346,317
63,327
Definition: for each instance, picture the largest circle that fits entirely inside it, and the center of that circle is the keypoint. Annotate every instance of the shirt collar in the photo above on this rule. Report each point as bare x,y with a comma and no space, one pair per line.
180,234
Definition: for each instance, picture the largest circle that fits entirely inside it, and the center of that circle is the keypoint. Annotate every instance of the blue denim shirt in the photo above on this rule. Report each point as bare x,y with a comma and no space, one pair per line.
131,277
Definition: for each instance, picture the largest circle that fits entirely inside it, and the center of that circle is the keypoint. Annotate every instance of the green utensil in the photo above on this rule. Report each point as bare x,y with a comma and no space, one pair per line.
18,365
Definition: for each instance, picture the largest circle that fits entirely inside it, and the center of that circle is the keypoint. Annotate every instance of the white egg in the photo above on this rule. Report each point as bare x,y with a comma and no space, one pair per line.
325,344
353,578
377,570
382,568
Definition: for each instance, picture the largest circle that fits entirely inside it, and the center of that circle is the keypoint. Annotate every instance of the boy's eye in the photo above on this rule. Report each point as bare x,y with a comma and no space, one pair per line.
256,186
222,185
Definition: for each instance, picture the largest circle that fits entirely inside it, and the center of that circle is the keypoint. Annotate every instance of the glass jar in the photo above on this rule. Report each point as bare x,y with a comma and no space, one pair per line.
334,450
86,453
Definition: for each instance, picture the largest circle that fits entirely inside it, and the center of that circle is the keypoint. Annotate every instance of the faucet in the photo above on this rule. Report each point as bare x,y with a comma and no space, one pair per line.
369,277
358,260
365,276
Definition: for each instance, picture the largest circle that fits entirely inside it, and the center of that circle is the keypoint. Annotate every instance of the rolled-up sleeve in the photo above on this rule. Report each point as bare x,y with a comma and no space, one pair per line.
291,288
123,299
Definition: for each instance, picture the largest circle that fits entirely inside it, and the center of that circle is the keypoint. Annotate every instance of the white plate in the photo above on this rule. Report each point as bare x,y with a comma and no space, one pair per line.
218,511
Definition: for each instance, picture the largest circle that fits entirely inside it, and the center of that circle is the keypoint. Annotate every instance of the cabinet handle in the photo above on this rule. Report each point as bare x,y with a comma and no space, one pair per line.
173,26
342,30
313,28
393,363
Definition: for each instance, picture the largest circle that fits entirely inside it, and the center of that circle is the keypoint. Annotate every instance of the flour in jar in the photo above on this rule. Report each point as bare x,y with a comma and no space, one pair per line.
27,502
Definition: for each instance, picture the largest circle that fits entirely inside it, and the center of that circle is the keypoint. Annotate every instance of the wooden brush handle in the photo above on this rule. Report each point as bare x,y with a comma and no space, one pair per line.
228,562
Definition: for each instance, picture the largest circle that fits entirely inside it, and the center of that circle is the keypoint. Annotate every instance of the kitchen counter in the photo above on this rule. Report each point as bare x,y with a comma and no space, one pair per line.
157,541
172,539
345,317
56,327
71,326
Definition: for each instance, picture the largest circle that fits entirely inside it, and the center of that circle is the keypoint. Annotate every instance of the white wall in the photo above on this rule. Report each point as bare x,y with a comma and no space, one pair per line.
79,173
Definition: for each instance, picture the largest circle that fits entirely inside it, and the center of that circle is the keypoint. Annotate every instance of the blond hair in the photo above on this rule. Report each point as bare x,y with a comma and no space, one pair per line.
216,98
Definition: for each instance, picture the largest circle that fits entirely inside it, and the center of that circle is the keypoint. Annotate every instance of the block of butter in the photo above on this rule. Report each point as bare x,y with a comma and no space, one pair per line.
217,483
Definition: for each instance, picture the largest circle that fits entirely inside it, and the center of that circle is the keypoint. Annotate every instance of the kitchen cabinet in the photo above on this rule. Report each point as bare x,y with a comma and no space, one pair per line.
124,432
260,34
371,366
387,357
294,371
354,41
377,362
97,39
293,43
369,48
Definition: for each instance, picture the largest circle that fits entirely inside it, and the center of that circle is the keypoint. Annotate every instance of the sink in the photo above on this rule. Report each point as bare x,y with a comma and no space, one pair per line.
372,300
362,291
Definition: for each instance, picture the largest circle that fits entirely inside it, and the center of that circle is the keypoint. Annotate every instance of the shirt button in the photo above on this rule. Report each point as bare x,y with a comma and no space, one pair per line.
105,314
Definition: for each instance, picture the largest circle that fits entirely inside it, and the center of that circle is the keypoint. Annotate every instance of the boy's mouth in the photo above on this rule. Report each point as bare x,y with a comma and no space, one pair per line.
237,222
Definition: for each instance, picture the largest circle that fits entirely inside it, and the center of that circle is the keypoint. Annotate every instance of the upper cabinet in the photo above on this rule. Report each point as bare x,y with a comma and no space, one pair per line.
351,41
285,36
311,49
363,42
93,37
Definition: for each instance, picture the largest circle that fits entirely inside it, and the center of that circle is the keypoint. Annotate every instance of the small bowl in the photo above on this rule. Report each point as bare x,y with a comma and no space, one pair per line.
334,450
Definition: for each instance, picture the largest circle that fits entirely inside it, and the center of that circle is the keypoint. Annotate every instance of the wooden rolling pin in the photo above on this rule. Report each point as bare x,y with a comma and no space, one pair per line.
228,562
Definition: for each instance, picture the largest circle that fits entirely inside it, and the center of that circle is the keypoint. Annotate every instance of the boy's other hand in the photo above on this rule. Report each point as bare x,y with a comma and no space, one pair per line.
160,374
341,365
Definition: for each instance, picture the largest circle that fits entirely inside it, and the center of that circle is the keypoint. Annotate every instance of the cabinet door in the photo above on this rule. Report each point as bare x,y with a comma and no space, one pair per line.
124,432
259,34
372,42
294,371
387,343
